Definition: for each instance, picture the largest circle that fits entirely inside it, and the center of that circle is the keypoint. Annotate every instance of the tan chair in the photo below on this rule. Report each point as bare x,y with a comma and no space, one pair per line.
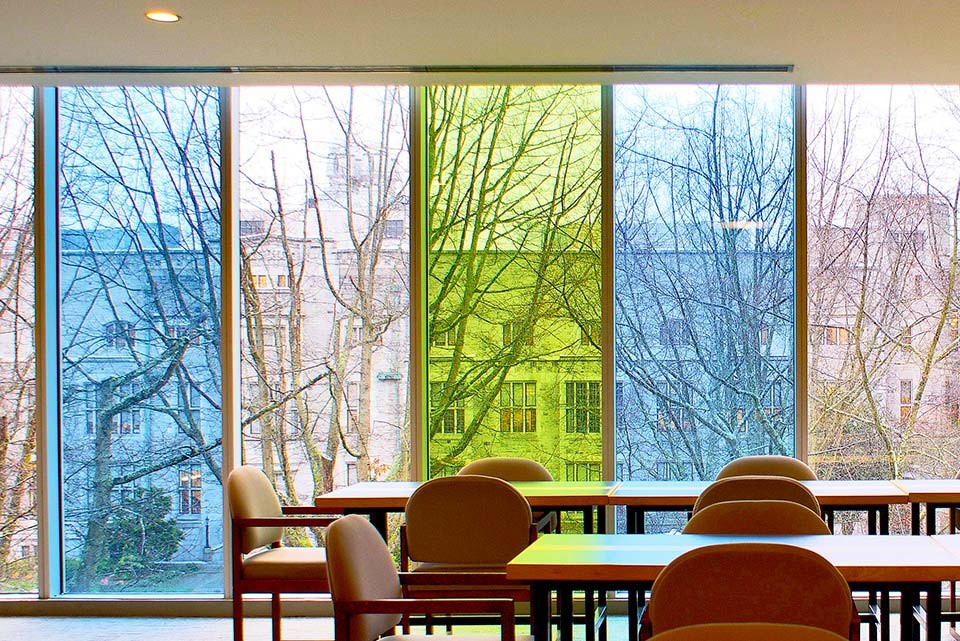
768,466
466,526
756,517
260,562
752,583
747,632
367,592
753,488
517,469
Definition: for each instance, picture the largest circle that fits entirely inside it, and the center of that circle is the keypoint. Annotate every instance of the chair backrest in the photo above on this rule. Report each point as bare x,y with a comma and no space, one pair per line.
751,582
360,568
768,465
748,632
756,517
752,488
252,496
508,469
476,520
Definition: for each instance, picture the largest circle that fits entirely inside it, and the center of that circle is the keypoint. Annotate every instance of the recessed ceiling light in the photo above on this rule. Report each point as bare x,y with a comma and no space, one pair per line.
162,15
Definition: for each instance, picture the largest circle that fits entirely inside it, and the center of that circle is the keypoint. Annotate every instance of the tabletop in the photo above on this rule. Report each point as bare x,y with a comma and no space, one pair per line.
393,495
831,494
639,558
930,490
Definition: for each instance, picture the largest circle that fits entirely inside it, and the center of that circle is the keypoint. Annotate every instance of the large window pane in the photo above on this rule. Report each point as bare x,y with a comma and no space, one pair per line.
882,181
704,211
324,236
513,276
18,528
140,326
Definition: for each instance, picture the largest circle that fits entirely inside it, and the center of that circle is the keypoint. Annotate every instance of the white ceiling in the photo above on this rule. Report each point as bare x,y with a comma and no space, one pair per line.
826,40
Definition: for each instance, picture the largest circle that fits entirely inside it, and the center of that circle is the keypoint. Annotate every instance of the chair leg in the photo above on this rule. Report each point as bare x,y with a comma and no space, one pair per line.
237,615
275,615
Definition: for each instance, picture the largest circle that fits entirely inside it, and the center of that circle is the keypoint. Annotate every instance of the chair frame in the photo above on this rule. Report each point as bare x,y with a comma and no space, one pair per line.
504,608
294,516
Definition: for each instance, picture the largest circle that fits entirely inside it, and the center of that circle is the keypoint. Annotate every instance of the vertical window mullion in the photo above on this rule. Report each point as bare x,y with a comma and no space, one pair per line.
800,321
47,337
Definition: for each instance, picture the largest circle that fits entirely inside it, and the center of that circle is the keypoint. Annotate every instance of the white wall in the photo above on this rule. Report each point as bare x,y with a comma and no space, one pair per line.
826,40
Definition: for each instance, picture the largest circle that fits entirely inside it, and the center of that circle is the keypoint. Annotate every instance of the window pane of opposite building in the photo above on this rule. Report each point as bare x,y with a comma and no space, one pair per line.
513,275
140,327
325,261
704,255
18,526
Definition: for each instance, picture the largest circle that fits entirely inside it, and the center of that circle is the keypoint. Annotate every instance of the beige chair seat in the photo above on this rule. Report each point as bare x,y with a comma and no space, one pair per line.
286,563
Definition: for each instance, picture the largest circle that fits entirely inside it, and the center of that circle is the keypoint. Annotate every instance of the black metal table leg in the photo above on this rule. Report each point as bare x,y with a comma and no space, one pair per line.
540,612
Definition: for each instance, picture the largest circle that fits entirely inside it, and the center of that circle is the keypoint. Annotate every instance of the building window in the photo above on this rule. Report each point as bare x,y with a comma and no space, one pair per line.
123,493
672,414
583,406
833,335
251,227
191,487
518,407
513,331
452,420
906,399
590,334
446,338
119,334
282,281
352,399
261,281
393,229
673,470
673,331
906,337
352,473
583,471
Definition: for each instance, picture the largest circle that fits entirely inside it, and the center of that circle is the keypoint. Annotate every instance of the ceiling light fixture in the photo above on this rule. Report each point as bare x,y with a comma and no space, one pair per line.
162,15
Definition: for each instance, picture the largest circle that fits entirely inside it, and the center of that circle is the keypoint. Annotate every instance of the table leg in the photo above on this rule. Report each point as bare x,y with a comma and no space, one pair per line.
885,615
872,517
565,608
884,519
931,519
633,615
915,518
540,612
933,611
907,600
640,525
588,520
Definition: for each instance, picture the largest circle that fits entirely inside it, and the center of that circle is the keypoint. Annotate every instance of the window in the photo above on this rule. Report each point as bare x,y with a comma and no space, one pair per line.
282,281
906,337
119,334
512,271
672,414
518,407
584,472
697,265
673,331
833,335
452,419
191,489
352,400
261,281
513,331
139,256
393,229
906,400
250,227
583,406
673,471
590,334
954,323
352,473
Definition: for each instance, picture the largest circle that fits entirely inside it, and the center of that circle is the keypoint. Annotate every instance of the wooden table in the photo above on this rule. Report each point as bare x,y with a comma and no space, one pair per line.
872,497
378,498
567,562
935,494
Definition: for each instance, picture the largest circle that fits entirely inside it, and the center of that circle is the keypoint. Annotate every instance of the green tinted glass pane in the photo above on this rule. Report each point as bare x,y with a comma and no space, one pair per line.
514,265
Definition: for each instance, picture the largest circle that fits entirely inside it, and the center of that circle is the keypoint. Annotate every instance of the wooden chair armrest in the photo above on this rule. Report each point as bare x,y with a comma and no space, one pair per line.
285,521
545,522
453,578
306,510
